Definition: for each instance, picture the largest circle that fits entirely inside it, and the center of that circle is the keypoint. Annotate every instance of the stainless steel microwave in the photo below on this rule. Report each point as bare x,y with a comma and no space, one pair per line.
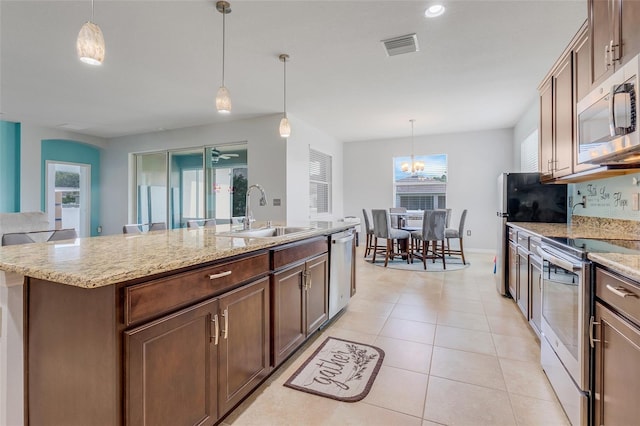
607,122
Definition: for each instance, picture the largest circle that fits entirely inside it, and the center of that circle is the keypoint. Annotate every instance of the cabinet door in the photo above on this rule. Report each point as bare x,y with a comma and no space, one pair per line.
617,370
170,369
513,271
317,293
546,130
244,342
563,123
601,38
629,15
288,312
535,283
523,284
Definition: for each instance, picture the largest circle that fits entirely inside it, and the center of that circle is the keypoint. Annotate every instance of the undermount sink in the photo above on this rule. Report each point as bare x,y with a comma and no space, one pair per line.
276,231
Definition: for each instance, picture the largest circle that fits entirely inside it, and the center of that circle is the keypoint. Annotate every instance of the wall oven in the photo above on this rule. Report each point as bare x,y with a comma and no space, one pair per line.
607,121
566,312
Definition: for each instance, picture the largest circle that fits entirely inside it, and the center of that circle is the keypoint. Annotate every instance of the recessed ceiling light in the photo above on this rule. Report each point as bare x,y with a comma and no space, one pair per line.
434,10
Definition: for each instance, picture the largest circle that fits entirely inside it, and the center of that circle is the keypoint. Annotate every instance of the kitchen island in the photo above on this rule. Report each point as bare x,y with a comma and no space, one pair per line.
168,327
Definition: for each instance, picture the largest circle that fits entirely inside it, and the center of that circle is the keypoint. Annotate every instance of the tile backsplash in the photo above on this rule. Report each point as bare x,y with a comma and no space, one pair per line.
608,198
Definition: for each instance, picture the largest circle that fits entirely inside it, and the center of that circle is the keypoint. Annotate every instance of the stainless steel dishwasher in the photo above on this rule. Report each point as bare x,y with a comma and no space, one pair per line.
340,271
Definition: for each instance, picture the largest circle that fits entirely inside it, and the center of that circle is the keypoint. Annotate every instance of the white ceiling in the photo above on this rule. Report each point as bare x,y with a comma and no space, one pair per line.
478,66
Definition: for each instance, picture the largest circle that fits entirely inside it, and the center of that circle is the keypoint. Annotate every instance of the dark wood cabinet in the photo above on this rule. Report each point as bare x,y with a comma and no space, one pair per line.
617,369
300,294
513,270
171,369
615,338
289,330
317,293
244,342
546,131
300,304
522,281
568,81
614,35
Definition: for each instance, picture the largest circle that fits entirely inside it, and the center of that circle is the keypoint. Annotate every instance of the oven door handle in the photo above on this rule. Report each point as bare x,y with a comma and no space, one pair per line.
565,264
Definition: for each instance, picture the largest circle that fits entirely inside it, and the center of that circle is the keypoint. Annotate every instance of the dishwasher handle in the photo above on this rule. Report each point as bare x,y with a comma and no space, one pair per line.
343,240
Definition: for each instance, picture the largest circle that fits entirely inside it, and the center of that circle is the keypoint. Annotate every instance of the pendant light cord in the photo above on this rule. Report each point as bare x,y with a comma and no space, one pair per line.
413,163
285,86
91,10
224,12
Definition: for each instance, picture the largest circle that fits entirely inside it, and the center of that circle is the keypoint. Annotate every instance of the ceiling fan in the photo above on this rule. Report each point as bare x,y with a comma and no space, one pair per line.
217,155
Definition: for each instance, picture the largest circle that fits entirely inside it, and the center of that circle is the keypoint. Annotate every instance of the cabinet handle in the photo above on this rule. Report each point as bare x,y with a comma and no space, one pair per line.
606,54
219,275
620,291
225,331
592,323
216,329
612,49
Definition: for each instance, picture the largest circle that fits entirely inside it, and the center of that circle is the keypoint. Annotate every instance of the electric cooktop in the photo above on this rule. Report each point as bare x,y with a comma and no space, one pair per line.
580,247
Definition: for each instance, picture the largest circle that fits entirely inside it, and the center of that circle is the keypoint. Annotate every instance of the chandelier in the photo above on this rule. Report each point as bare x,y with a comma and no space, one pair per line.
415,168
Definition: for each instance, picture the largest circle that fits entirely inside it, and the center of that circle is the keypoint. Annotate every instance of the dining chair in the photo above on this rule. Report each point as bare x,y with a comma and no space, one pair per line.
459,234
448,224
158,226
400,219
133,228
368,245
63,234
209,223
433,228
16,238
382,229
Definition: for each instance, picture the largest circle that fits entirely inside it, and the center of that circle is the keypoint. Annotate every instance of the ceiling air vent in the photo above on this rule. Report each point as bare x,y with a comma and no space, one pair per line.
400,45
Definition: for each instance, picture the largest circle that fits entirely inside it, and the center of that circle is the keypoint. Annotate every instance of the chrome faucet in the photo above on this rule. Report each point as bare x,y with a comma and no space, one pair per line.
246,222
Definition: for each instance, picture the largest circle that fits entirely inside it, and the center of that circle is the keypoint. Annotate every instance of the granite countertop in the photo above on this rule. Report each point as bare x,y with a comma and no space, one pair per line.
627,264
106,260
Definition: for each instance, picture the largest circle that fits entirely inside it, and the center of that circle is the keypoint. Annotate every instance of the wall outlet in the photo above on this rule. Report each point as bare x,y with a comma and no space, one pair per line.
584,201
99,229
468,232
277,202
635,202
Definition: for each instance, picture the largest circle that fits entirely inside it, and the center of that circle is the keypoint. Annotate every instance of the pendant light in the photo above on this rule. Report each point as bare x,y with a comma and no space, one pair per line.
223,99
285,127
90,42
416,167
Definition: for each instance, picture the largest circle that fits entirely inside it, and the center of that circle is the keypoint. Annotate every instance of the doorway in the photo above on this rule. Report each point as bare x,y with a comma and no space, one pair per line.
68,196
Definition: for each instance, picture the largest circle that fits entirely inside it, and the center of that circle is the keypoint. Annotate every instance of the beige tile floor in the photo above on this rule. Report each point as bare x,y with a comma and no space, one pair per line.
457,353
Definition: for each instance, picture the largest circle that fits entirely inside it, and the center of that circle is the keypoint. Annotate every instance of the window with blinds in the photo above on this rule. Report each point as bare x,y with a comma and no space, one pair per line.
529,153
319,183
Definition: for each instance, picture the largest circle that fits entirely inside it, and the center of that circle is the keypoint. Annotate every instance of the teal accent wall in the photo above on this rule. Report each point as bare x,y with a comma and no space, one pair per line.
74,152
9,167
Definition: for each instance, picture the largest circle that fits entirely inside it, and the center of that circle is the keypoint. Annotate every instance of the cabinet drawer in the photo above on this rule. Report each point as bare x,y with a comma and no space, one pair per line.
511,233
523,240
152,298
292,253
622,294
534,243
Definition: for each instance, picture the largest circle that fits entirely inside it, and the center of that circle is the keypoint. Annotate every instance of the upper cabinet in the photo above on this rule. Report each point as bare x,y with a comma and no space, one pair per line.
558,98
614,35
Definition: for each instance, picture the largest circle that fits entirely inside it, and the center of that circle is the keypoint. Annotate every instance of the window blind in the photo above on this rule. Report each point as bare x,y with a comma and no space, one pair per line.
319,183
529,153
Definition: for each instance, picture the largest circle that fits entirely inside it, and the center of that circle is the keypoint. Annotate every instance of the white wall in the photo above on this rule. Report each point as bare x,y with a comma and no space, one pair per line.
30,158
303,137
474,161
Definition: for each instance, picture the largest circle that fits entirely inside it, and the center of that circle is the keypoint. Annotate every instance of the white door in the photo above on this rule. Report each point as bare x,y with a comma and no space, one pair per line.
68,197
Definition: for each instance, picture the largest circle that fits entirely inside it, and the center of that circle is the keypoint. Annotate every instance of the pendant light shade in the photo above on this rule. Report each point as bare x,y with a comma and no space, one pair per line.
223,99
285,127
90,42
415,168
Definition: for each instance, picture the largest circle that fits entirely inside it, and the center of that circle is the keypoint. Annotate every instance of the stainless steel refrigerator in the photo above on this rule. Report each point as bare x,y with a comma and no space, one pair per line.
522,198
